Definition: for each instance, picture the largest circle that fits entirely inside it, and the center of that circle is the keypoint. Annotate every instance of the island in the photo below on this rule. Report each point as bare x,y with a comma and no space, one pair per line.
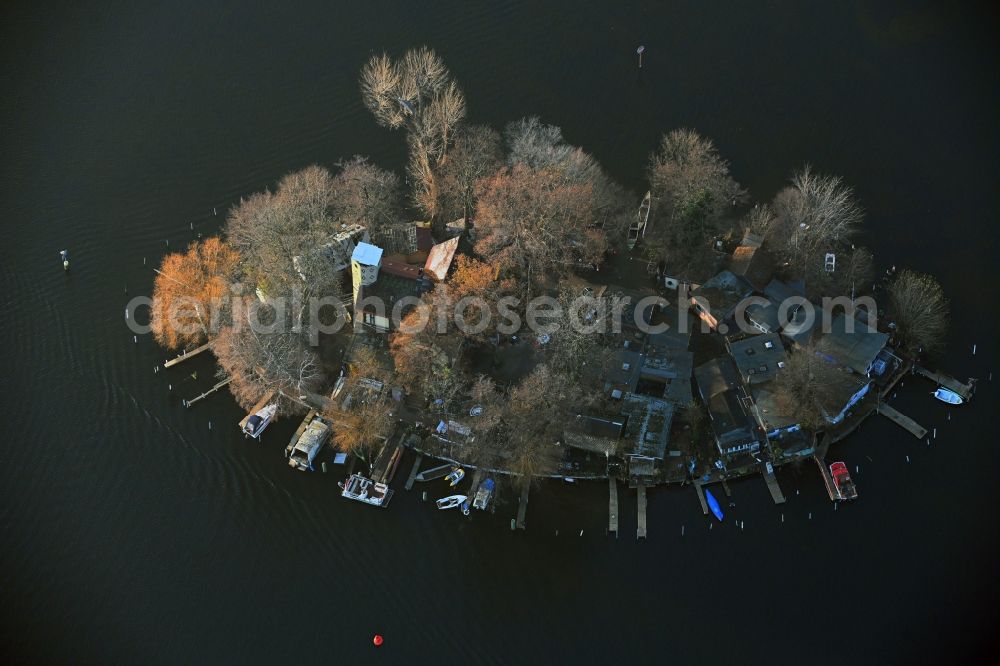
507,309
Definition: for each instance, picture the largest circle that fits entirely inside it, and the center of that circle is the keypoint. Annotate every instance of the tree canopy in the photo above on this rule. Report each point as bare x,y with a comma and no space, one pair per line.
271,229
190,289
262,352
416,92
920,310
693,194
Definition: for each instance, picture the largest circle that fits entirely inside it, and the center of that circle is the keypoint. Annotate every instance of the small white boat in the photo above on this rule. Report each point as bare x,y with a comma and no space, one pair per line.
451,501
257,422
455,476
637,229
948,396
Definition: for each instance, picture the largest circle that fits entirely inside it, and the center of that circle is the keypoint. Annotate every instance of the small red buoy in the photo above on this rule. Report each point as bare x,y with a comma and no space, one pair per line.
377,640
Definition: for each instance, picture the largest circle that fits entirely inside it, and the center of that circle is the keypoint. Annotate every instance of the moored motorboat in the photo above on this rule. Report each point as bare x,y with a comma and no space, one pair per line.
361,489
303,451
948,396
451,501
454,476
484,494
842,479
258,421
713,504
637,229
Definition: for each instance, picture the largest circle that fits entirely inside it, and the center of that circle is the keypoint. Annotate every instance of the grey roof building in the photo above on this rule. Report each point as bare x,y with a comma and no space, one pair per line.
852,343
728,406
759,357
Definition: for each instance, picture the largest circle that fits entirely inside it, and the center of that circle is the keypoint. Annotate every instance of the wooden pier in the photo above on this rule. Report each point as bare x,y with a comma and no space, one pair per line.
613,505
413,472
224,382
902,420
640,532
185,355
831,487
384,468
522,508
698,486
773,487
950,383
476,480
261,404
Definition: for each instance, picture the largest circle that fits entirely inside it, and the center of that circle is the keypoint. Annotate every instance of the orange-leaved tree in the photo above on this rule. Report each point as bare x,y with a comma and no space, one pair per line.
189,290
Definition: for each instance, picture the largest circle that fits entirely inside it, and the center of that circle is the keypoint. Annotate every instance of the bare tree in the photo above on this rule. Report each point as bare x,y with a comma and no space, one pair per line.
534,223
417,93
759,220
365,194
920,310
580,346
475,155
693,194
275,230
262,354
536,411
817,214
426,348
538,146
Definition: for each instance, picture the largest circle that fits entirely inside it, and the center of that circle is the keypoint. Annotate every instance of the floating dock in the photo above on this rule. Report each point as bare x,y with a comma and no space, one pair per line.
698,486
773,487
902,420
185,355
476,479
640,532
824,470
522,507
613,505
413,472
950,383
261,404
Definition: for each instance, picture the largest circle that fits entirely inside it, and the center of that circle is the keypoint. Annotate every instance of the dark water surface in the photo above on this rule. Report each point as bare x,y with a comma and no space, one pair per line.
133,533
